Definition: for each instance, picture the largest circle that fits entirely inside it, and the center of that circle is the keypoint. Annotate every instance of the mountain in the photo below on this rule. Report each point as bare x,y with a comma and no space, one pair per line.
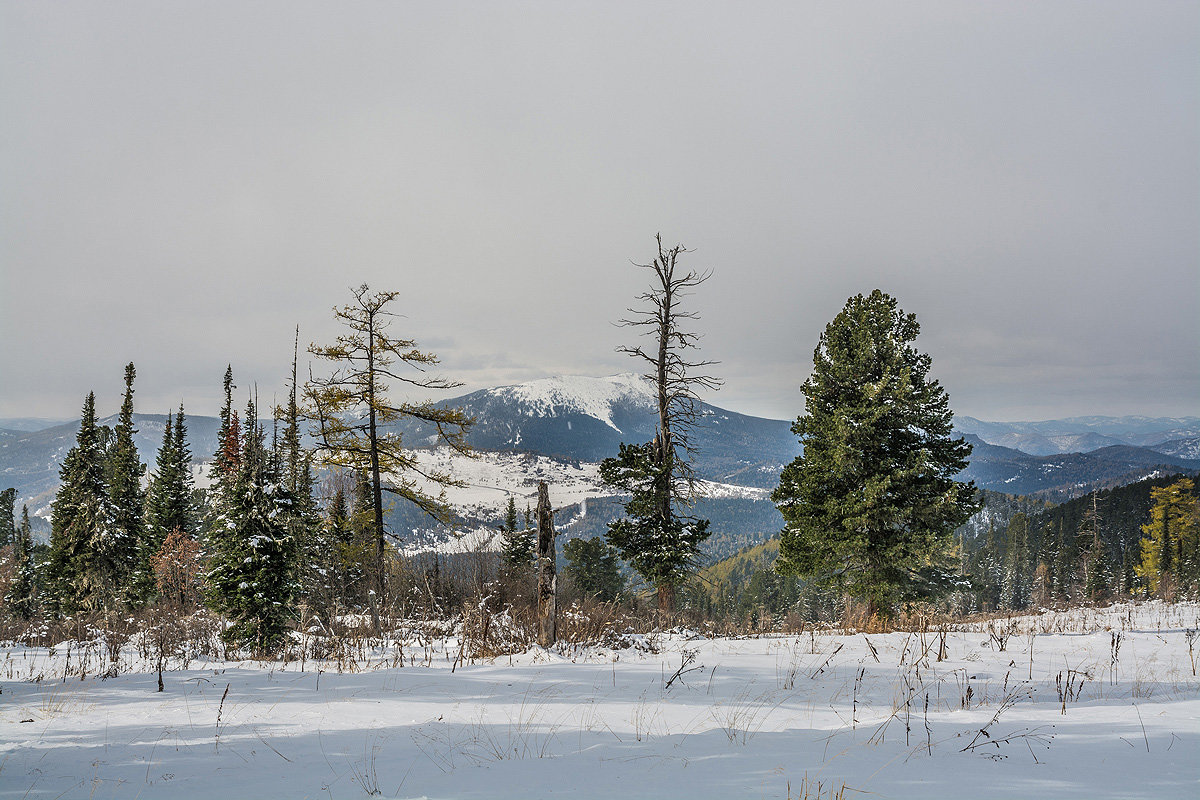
1061,477
27,424
1182,448
30,460
1079,434
574,418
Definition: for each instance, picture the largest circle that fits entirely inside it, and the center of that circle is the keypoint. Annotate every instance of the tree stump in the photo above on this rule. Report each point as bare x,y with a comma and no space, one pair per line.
547,573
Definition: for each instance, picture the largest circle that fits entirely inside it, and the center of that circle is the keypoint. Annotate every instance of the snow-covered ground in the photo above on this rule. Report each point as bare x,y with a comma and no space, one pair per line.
1069,710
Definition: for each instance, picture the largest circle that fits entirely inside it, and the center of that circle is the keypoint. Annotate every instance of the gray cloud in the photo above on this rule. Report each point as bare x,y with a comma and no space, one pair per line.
183,185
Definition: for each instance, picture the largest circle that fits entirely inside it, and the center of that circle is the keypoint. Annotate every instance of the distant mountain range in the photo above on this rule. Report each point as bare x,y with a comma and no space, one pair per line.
30,459
1084,434
574,421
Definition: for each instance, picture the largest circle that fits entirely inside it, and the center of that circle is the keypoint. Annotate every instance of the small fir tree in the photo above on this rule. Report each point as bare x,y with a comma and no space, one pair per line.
518,545
8,527
82,524
1015,587
21,597
594,568
168,500
251,572
125,471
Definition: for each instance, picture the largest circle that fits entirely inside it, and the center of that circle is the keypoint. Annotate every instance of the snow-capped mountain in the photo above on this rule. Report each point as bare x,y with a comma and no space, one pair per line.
569,395
575,418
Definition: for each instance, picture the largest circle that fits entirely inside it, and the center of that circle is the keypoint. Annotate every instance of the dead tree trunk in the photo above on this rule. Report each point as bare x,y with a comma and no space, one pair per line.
547,578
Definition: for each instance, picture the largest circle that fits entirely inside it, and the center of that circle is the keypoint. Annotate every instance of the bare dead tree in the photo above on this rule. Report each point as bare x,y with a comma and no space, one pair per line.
658,537
667,360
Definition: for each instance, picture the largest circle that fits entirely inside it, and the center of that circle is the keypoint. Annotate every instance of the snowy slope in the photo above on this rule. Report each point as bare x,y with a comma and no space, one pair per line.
878,714
566,395
1180,448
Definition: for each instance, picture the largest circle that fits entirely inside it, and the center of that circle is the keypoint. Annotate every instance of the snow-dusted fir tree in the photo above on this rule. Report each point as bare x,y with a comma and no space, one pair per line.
658,536
251,576
124,473
871,505
1016,583
594,568
316,565
518,544
168,499
82,524
8,529
21,597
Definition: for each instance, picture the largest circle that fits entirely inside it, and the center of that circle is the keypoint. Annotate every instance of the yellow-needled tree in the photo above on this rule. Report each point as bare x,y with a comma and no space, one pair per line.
352,412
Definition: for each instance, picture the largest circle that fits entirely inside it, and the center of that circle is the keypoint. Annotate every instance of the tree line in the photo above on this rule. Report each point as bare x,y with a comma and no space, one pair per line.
285,534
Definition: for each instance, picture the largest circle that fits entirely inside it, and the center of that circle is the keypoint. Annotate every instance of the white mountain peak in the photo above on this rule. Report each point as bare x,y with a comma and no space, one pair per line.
579,394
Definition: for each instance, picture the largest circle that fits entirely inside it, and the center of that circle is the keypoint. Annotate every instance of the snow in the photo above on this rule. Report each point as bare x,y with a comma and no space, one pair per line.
754,717
566,394
491,477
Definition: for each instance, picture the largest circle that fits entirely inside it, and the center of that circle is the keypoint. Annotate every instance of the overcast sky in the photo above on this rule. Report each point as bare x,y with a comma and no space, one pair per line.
182,184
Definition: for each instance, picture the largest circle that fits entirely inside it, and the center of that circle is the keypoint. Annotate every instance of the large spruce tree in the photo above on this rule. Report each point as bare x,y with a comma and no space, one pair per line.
871,505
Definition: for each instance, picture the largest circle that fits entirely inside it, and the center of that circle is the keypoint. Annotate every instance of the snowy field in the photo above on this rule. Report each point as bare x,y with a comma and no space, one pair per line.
1066,709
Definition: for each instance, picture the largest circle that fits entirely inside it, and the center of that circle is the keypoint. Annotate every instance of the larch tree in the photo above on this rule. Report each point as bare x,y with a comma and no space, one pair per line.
871,504
353,415
1170,551
658,535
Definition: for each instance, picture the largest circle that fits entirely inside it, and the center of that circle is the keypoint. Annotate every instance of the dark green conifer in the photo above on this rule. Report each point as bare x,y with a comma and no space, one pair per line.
125,470
8,527
594,568
1015,585
169,503
82,524
21,597
251,575
518,545
871,505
